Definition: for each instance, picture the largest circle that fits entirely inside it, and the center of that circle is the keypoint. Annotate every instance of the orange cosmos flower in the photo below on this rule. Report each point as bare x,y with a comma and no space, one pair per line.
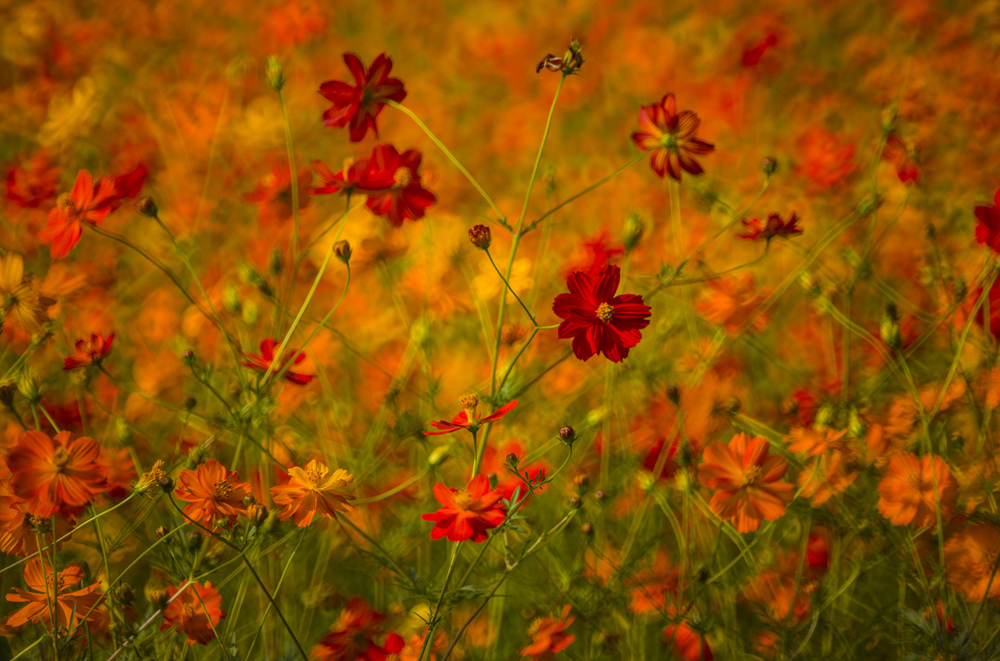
970,559
20,530
214,493
548,636
55,474
51,593
263,362
89,351
654,586
746,481
466,514
908,494
310,491
195,612
734,303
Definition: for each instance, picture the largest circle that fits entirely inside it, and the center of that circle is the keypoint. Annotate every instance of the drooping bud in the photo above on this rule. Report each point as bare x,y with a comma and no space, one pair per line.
567,435
889,115
342,249
146,207
481,237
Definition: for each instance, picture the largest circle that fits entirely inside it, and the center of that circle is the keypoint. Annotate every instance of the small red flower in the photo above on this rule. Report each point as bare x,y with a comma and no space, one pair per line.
35,182
352,636
469,418
466,514
758,230
90,203
354,177
596,319
752,56
90,351
263,362
359,105
988,226
671,137
393,185
273,193
904,156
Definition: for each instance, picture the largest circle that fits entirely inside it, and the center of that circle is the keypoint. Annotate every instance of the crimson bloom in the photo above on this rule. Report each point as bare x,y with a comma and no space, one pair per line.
353,177
988,225
596,319
35,182
90,203
358,105
393,185
89,351
352,636
466,514
469,418
671,137
263,362
757,230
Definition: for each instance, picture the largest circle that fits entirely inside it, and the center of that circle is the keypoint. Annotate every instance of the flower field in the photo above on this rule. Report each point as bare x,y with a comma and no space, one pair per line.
486,331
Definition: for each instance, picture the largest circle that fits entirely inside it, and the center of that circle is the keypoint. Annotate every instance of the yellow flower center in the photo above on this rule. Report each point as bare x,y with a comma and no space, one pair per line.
402,178
315,474
752,476
462,500
60,458
605,312
222,490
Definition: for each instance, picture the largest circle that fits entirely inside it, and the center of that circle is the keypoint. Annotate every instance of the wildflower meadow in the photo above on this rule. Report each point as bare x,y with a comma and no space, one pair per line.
487,331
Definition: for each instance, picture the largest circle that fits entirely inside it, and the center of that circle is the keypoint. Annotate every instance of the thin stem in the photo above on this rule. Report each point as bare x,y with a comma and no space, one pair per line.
437,607
511,289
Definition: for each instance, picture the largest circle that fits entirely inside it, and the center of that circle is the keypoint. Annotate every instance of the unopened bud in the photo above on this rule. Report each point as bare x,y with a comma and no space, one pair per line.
889,115
769,165
231,299
438,456
674,394
188,357
342,250
889,328
275,74
481,236
28,387
274,262
567,435
161,531
159,598
123,594
575,502
166,484
146,207
632,233
587,529
512,460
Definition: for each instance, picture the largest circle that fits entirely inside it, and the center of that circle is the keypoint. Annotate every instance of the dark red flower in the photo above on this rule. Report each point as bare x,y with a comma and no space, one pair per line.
904,156
263,362
273,193
352,636
466,514
988,227
352,178
757,230
671,137
393,185
753,55
596,319
34,182
469,418
358,105
89,351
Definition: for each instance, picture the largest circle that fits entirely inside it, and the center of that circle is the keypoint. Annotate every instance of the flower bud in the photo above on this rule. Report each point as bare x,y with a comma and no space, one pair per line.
231,299
251,313
512,460
188,357
769,165
274,262
166,484
275,74
889,328
438,456
28,387
600,495
146,207
575,502
481,237
581,482
342,249
567,435
161,531
123,594
889,115
159,598
633,231
674,394
587,529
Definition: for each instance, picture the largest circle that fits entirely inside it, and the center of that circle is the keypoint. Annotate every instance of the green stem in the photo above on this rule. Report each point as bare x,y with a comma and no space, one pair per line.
437,607
511,289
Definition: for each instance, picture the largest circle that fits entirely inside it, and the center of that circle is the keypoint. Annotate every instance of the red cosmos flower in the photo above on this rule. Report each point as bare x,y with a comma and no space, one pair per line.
359,105
273,193
34,183
55,474
90,351
689,644
354,177
352,636
988,225
596,319
775,227
548,636
87,203
671,137
49,592
393,185
466,514
469,418
262,362
191,611
213,493
904,156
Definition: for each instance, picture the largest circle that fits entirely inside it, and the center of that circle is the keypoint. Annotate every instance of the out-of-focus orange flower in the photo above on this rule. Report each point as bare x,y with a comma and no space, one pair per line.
48,592
53,474
33,183
352,636
415,645
970,559
194,612
273,193
263,362
907,490
20,530
469,418
213,493
294,22
90,203
358,106
733,302
20,298
548,636
89,351
688,644
746,481
825,160
466,514
671,137
311,491
655,587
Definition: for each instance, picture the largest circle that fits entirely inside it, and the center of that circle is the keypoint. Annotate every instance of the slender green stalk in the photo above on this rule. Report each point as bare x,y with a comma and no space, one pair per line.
511,289
432,625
